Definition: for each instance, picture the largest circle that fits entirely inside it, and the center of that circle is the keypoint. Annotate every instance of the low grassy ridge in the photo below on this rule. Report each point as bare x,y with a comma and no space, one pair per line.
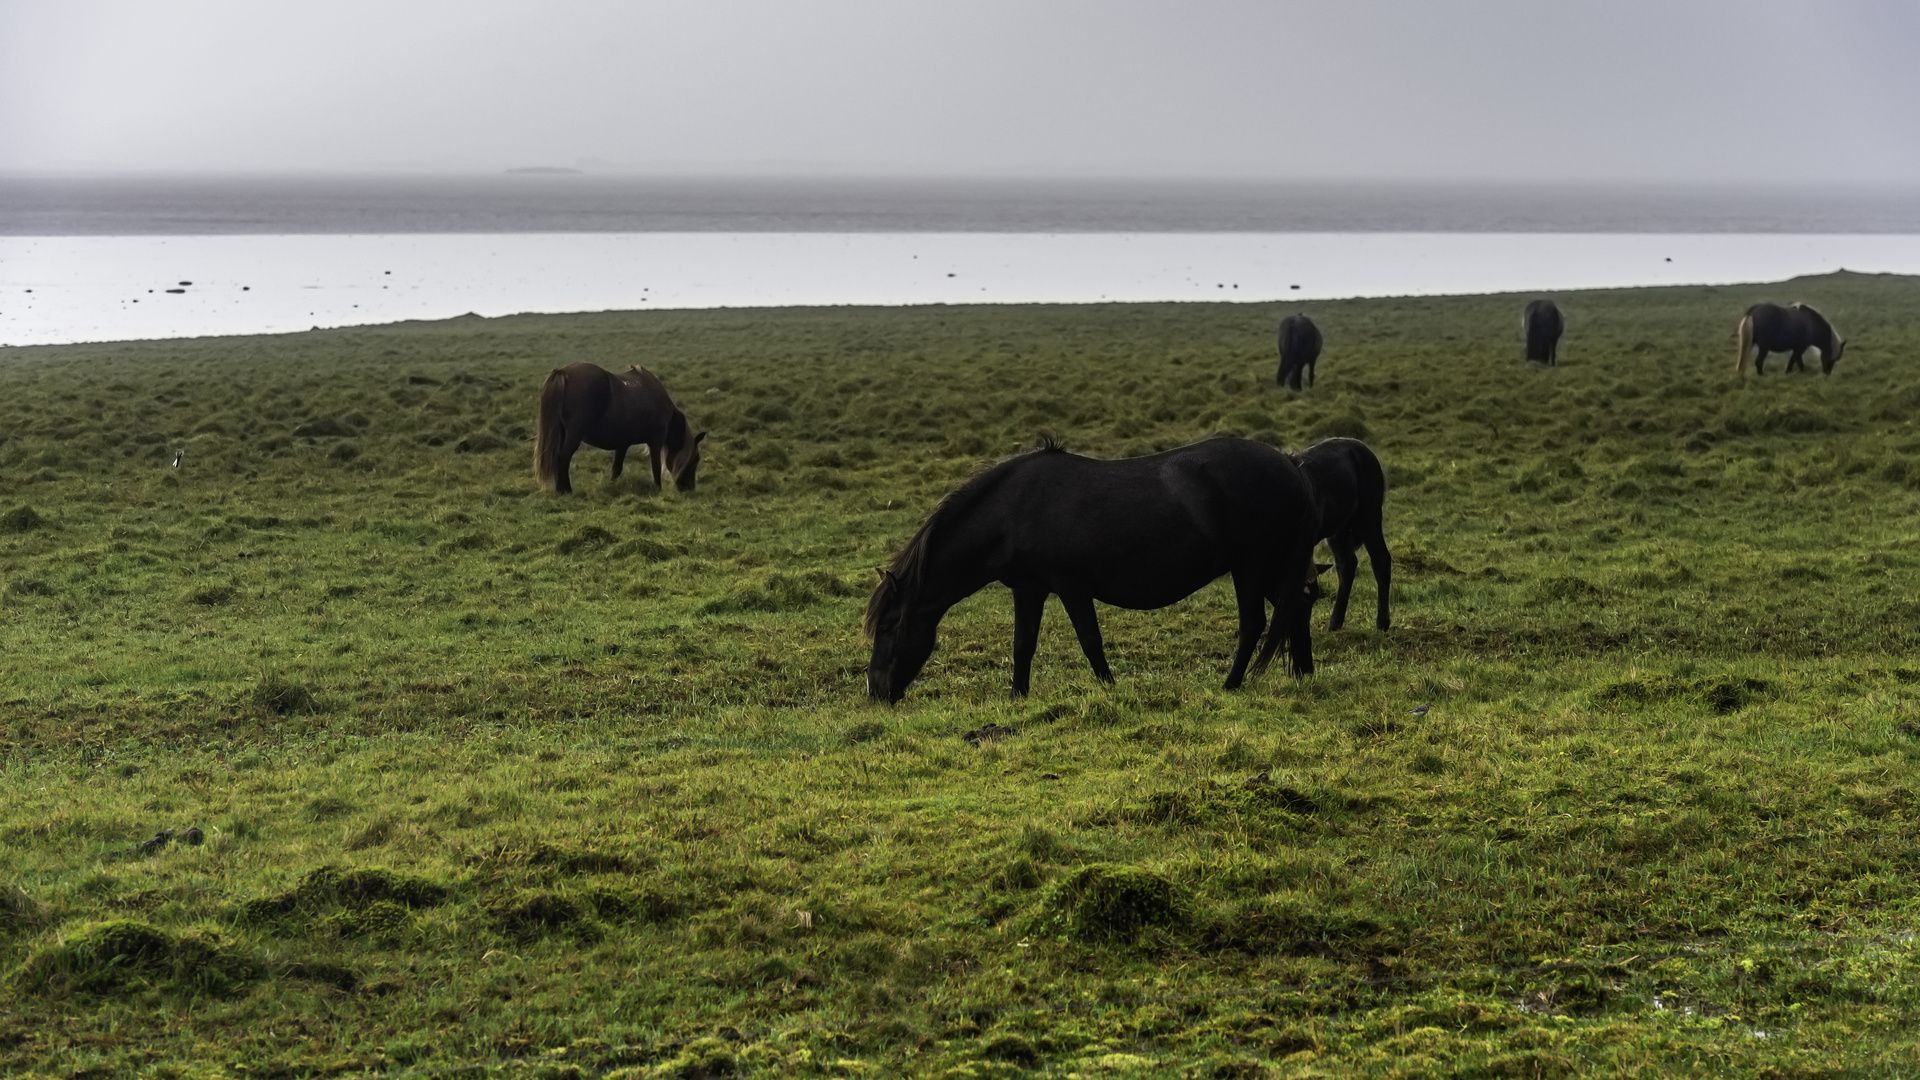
340,748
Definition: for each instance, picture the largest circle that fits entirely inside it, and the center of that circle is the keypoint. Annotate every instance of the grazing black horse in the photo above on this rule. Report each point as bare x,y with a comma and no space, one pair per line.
1351,489
1541,325
1299,350
1792,330
1136,533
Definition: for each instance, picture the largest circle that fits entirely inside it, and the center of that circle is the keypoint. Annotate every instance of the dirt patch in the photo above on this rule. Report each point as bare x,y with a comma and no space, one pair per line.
990,733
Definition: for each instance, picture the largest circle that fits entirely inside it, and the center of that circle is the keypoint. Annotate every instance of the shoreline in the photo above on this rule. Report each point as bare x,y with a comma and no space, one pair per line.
94,290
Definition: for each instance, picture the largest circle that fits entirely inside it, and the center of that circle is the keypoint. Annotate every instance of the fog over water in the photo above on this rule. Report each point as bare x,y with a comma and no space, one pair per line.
559,203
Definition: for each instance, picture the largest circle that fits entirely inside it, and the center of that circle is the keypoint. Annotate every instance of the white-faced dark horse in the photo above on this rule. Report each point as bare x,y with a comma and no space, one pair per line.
583,403
1792,330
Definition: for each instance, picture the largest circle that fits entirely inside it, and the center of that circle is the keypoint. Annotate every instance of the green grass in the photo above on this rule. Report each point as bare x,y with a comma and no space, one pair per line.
492,780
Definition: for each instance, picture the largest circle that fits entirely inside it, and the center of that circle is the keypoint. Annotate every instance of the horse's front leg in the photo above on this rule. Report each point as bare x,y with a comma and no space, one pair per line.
1028,606
654,455
1798,361
619,462
1086,627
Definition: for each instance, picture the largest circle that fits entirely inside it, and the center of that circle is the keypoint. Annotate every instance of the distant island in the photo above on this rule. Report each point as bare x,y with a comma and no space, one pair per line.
547,170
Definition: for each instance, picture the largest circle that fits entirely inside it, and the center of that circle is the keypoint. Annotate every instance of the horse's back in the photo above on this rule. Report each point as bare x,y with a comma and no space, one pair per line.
1346,477
1299,338
581,382
1776,328
1772,322
1193,513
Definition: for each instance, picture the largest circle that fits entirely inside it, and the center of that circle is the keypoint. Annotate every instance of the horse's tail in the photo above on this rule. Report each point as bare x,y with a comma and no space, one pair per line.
547,436
1746,343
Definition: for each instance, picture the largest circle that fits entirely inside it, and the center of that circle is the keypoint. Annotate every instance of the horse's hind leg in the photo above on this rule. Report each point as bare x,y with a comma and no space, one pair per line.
619,463
563,476
1086,627
1348,564
1253,619
1797,361
1028,606
1382,562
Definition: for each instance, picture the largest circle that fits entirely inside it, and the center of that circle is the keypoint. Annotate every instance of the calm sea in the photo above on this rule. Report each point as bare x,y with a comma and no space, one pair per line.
110,259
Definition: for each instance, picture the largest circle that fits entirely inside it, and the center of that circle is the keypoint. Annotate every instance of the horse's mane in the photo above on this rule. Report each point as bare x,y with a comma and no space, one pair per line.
1818,319
907,566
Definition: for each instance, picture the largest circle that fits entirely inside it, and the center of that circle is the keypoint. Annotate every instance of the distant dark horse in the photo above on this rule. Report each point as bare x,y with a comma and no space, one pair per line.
1793,330
582,403
1136,533
1541,325
1351,489
1299,349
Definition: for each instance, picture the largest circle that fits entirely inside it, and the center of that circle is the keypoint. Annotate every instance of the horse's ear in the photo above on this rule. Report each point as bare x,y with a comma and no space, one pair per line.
700,436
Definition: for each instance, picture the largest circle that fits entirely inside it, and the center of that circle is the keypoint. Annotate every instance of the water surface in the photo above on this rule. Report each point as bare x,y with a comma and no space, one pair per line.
69,289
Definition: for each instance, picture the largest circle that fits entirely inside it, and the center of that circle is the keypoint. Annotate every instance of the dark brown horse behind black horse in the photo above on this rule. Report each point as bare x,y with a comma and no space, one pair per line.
582,403
1351,489
1792,330
1299,352
1137,533
1542,325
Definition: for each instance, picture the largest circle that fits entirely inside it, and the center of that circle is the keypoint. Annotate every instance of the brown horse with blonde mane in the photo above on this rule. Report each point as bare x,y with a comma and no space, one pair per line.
583,403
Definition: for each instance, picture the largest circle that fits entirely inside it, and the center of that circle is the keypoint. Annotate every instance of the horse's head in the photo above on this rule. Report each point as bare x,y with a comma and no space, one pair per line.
1310,593
683,452
1827,361
902,639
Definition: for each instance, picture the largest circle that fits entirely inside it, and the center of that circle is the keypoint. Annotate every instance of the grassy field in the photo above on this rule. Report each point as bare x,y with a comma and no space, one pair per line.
491,781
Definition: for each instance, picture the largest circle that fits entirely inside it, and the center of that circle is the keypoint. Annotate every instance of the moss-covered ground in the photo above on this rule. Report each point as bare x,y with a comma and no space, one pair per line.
488,780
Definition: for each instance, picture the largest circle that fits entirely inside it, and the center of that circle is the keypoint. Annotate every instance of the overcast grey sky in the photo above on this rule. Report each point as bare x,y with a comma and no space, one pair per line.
1659,90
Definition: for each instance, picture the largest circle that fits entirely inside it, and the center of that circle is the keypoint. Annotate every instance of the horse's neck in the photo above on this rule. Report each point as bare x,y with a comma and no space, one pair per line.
949,576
